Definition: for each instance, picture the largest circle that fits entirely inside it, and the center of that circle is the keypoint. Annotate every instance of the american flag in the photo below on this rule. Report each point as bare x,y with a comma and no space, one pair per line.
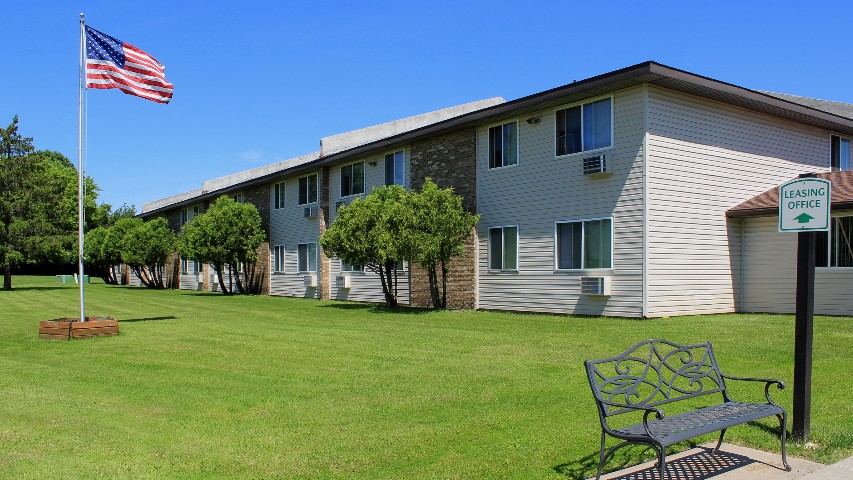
111,63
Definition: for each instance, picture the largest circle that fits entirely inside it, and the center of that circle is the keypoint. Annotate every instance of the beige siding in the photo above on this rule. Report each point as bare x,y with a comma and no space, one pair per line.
364,286
289,227
704,158
542,190
770,274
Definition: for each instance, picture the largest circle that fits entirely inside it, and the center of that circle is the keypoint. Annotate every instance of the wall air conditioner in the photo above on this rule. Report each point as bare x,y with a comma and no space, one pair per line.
595,286
342,281
310,281
596,166
310,212
214,283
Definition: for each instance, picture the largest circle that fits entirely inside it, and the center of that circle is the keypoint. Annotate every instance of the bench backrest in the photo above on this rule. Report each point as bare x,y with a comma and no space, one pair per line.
653,372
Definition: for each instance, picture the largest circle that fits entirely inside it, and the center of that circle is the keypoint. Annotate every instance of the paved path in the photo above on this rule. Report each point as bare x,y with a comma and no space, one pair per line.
735,463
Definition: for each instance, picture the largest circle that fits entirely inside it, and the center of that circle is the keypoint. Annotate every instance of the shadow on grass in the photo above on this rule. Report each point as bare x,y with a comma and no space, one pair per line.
148,319
27,289
586,467
377,308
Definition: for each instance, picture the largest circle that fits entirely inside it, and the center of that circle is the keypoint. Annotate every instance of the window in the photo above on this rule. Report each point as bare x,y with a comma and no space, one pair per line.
352,179
585,127
184,216
503,145
395,169
308,189
239,197
196,210
840,155
584,244
278,259
185,266
196,266
503,248
278,196
835,248
307,253
346,267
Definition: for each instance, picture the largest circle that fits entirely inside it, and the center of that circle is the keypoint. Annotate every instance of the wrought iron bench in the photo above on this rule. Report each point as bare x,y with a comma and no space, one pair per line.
654,373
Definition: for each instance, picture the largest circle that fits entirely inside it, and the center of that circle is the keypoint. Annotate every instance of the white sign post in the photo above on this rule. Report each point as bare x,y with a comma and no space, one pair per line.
804,209
804,205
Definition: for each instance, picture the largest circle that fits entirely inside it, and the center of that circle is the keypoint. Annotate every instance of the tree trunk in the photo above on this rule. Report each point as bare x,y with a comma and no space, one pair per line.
7,277
433,287
443,285
218,268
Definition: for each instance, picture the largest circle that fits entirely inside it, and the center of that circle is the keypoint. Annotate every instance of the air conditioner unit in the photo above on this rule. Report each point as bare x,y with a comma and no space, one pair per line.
214,283
310,281
342,281
595,286
597,165
311,212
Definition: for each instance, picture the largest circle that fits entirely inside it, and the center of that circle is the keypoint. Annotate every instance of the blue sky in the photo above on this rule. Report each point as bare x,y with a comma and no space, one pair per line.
258,82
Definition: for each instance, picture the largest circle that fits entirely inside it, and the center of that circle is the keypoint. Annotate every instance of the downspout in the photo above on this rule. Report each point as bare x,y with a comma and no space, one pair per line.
645,200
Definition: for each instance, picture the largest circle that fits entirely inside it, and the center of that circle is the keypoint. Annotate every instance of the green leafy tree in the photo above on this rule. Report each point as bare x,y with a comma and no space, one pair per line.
145,248
371,232
102,256
437,229
227,236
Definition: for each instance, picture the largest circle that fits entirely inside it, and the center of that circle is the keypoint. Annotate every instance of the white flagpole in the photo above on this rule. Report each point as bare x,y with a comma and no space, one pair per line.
81,213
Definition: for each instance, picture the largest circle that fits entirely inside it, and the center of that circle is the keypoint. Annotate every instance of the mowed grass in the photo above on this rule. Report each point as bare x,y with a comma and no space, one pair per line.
202,385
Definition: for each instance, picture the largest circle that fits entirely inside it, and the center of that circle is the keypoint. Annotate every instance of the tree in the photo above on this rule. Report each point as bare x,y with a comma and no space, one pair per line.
438,227
371,232
145,248
227,236
15,206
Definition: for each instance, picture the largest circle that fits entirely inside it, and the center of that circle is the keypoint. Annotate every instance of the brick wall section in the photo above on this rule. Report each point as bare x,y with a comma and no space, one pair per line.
325,267
450,160
260,197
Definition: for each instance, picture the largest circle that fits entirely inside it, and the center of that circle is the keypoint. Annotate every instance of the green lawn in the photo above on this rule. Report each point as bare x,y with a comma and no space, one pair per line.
206,386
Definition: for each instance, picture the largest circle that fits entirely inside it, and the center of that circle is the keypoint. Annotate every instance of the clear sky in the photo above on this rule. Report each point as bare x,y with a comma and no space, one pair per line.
258,82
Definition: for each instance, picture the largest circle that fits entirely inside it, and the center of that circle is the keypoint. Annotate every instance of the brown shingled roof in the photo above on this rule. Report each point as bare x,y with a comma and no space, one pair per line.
767,203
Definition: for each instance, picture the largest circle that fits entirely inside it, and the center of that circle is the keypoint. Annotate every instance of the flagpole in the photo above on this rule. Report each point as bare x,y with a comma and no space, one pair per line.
81,214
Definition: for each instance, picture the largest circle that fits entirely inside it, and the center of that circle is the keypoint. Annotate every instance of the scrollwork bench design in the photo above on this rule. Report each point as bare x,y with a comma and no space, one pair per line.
654,373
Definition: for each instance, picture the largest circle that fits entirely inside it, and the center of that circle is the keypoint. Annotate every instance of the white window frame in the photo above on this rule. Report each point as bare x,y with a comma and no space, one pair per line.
185,216
279,264
583,268
239,197
841,138
581,104
393,158
503,246
363,180
829,244
308,259
308,190
278,190
517,146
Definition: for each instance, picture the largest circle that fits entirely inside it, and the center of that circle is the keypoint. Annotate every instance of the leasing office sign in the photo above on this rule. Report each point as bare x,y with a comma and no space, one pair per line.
804,205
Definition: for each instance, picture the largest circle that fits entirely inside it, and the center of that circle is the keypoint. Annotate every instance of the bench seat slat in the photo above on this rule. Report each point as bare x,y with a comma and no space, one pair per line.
684,426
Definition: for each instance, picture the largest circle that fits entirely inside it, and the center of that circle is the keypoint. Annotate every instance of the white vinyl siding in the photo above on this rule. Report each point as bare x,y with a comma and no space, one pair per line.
770,273
705,157
543,190
288,228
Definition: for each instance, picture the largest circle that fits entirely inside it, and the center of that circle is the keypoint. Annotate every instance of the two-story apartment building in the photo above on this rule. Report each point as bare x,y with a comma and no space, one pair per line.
604,196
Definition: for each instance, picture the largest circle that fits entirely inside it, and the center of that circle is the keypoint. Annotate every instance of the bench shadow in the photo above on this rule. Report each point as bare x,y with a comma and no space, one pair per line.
148,319
701,465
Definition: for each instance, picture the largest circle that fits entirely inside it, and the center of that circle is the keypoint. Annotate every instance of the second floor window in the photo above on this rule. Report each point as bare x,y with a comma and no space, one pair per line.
352,179
184,216
503,145
239,198
840,153
585,127
308,189
395,169
278,196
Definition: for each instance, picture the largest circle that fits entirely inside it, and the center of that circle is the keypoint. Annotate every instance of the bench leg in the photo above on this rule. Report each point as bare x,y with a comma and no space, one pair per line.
720,441
783,421
600,458
662,463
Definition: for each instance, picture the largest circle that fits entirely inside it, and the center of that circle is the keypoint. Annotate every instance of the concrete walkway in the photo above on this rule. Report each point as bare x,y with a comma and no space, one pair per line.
735,463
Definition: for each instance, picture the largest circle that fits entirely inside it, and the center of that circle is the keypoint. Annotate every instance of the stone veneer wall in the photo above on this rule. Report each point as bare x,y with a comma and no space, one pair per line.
260,197
451,161
324,281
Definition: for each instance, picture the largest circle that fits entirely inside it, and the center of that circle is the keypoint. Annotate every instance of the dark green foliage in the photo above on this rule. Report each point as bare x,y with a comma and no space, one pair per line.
145,247
227,237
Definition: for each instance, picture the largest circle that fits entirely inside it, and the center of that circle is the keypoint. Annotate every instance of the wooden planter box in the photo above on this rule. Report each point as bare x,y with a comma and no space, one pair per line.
65,328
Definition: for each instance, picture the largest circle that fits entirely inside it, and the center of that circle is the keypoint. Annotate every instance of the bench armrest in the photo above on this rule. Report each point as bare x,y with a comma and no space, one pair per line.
647,411
768,382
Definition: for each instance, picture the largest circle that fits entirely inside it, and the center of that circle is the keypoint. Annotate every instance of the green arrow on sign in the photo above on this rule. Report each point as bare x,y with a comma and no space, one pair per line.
803,218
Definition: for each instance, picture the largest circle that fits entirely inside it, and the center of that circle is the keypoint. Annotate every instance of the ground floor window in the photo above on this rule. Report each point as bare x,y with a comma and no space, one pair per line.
584,244
503,248
185,266
307,254
346,267
835,248
278,259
